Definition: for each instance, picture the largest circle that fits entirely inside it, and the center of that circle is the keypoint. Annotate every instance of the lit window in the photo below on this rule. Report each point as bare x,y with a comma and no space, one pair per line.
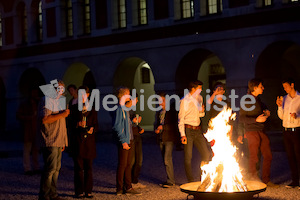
294,0
122,13
142,5
69,18
268,2
87,17
214,6
187,8
40,23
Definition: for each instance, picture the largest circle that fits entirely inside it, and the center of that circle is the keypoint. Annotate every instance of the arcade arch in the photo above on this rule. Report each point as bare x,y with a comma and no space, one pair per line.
135,73
79,74
277,61
203,65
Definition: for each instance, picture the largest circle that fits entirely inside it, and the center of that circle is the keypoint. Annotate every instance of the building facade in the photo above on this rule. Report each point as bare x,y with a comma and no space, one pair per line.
150,45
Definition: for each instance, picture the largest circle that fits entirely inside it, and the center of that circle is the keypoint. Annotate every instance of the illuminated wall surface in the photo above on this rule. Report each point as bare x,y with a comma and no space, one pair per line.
156,45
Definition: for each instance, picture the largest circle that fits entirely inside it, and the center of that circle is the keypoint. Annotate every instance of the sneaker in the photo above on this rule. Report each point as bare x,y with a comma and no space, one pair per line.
270,184
138,185
119,193
292,185
167,185
132,191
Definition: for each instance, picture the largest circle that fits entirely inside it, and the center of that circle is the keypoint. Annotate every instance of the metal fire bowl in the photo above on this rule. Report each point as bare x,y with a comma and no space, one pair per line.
254,187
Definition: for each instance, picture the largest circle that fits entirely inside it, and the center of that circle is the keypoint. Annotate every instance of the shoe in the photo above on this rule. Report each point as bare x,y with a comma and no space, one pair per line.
79,196
292,185
89,195
132,191
167,185
119,193
138,185
270,184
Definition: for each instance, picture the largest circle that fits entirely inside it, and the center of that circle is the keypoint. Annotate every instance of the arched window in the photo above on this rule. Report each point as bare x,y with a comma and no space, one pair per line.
122,13
69,18
187,8
87,17
40,23
142,10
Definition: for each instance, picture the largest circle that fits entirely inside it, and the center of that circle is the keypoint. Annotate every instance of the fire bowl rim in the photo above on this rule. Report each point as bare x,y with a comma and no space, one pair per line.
224,193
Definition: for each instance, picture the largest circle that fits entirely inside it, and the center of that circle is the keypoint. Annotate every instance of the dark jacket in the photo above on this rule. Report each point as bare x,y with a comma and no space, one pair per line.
170,130
72,126
135,128
249,117
85,143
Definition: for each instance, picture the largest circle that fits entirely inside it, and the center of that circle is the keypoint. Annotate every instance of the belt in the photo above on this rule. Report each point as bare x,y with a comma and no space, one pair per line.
192,127
292,129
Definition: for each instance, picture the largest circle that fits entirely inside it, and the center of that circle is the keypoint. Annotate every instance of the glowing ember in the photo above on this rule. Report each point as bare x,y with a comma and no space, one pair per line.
222,173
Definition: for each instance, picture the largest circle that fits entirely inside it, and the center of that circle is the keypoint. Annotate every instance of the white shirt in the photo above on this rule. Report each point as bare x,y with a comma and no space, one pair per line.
190,112
290,105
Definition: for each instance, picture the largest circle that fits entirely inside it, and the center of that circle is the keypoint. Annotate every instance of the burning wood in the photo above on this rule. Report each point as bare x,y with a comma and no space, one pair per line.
222,173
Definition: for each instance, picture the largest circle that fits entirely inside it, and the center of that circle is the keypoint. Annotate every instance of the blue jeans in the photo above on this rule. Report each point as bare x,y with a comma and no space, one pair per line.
194,137
166,151
52,164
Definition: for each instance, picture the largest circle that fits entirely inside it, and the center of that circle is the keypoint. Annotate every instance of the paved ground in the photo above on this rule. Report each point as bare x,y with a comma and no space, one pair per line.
15,185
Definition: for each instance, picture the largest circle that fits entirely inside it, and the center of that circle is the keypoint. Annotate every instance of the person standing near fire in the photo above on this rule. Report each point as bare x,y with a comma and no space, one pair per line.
254,117
53,131
167,134
191,109
123,129
137,157
84,149
27,114
289,112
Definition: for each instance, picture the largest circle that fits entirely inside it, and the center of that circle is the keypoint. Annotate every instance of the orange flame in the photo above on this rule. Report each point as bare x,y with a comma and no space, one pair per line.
222,173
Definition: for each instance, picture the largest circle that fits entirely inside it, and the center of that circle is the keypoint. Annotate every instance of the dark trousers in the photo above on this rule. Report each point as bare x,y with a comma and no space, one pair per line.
83,175
194,137
124,167
52,165
258,140
292,148
166,151
137,159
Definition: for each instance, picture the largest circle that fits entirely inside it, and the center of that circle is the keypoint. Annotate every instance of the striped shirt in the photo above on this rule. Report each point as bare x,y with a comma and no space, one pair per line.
53,134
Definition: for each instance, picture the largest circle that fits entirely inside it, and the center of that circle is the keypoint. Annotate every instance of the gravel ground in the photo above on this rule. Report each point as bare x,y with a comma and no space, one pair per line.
15,185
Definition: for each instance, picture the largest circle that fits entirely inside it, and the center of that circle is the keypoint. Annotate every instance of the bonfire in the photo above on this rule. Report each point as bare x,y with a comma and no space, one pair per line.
222,173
